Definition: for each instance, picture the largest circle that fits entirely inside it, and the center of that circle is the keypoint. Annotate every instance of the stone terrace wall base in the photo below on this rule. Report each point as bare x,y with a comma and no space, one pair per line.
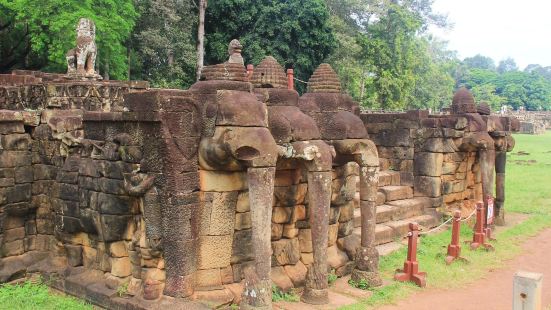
92,287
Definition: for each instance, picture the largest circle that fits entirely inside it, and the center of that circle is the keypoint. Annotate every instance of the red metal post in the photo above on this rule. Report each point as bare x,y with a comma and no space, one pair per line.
290,79
479,236
454,249
250,69
411,266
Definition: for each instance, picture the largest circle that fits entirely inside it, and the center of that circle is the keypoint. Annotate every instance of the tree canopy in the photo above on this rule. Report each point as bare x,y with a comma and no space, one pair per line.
163,43
514,88
296,32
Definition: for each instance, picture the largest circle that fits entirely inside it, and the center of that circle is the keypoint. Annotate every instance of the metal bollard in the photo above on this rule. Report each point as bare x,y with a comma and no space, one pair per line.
411,266
290,79
479,236
454,249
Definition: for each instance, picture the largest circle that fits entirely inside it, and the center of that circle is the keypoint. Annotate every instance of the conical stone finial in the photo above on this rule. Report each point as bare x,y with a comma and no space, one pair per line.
484,109
463,102
269,74
324,80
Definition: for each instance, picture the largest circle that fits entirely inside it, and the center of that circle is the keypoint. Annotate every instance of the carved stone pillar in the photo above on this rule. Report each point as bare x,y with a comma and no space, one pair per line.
258,285
319,199
367,256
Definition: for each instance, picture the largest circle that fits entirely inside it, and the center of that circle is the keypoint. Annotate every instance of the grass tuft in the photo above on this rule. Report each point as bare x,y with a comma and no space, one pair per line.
122,289
279,295
332,277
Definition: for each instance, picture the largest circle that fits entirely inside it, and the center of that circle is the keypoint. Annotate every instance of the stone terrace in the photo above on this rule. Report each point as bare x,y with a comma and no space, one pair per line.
212,193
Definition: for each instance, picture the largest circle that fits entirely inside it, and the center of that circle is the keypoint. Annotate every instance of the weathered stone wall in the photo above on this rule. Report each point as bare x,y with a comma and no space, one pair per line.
67,194
533,127
17,235
225,229
532,122
111,182
432,153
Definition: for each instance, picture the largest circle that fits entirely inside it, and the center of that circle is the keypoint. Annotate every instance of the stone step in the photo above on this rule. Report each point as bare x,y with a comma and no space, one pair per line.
407,208
395,192
380,198
389,231
383,234
388,248
401,227
389,177
397,210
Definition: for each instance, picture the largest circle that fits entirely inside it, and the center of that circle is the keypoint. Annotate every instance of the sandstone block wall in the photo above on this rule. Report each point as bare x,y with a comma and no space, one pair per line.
533,127
225,227
72,197
430,154
102,183
532,122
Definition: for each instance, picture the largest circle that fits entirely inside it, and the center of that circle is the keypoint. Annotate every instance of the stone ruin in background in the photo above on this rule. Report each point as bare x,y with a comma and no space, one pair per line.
532,122
213,193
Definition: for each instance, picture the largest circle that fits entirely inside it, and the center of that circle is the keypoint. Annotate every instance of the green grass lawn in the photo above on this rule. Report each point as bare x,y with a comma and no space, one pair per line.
35,296
527,192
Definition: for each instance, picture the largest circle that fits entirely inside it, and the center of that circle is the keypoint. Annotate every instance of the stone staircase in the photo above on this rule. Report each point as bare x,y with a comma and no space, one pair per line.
396,208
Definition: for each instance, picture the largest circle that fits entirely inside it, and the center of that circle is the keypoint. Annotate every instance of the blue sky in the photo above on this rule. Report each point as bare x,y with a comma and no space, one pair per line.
499,29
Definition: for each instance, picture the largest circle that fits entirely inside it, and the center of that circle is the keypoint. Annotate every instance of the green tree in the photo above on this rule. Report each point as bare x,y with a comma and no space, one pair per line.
347,18
14,42
479,62
487,93
543,71
48,29
483,84
163,45
507,65
388,47
370,43
539,92
529,88
479,76
521,89
297,33
434,83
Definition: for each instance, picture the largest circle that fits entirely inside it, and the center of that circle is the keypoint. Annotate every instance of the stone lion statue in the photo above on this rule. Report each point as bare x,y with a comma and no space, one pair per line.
81,60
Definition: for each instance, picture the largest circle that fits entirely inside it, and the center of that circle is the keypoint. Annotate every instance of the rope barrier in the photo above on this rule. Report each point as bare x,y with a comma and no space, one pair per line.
446,222
468,217
300,80
436,228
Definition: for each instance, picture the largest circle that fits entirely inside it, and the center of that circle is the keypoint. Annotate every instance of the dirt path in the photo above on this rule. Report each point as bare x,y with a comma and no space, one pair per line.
495,290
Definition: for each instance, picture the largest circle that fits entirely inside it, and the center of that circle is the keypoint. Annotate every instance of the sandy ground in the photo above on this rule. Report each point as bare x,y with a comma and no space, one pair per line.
495,290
